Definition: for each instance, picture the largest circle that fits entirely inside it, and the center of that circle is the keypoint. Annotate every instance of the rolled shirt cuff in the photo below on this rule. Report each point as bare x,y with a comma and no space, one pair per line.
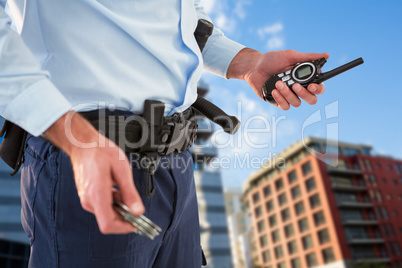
219,54
37,107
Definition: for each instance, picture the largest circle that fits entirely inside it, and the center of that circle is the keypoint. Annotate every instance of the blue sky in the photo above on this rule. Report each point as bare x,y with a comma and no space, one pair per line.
364,103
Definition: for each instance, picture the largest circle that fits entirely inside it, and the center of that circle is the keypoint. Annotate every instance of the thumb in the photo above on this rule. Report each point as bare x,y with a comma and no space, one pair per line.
297,57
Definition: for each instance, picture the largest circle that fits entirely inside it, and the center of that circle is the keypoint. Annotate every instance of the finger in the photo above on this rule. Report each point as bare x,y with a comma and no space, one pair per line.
290,97
109,222
280,100
123,176
296,56
304,94
316,89
117,195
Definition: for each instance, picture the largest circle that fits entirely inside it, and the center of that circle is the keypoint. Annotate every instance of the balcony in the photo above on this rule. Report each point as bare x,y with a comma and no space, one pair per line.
348,187
365,241
359,222
342,170
367,258
204,150
354,204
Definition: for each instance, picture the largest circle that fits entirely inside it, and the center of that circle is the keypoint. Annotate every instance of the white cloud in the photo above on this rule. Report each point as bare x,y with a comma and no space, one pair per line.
240,10
270,30
208,5
224,23
225,14
275,42
273,34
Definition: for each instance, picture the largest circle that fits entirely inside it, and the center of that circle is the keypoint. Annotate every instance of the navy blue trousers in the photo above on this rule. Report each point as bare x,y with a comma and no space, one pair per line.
62,234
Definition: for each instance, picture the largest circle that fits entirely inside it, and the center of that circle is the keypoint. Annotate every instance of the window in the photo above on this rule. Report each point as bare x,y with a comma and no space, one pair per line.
395,213
289,231
391,248
282,199
397,249
379,196
295,192
269,205
366,150
372,196
292,247
311,259
384,230
315,201
299,208
330,149
307,242
303,225
306,168
328,255
323,236
256,197
350,151
388,196
310,184
275,236
272,221
384,181
319,218
295,263
362,164
378,212
385,213
266,256
285,214
356,166
261,226
397,169
267,191
263,241
281,265
258,211
292,177
278,252
391,230
373,180
368,165
279,184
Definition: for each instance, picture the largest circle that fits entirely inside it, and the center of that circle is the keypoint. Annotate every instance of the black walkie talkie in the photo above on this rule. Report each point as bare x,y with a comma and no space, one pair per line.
305,74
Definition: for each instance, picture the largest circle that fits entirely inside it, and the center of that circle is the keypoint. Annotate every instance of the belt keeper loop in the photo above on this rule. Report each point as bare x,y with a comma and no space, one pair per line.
150,185
149,162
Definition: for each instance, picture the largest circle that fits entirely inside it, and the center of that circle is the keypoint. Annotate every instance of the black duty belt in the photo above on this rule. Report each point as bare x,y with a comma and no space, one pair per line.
148,135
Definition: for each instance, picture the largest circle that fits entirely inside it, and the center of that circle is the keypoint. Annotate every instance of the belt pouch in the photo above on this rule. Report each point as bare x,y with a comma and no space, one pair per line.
13,145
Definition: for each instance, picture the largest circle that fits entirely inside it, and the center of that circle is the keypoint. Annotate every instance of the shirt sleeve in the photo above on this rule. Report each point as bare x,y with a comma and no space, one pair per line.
219,50
27,96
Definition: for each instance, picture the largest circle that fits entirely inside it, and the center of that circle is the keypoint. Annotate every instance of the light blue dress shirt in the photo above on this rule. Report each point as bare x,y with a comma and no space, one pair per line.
58,55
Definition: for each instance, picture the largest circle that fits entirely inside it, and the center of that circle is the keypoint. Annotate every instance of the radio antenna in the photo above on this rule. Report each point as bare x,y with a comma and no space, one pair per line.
339,70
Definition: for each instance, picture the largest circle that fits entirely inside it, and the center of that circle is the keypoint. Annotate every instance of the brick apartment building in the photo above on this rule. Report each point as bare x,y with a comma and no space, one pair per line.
341,211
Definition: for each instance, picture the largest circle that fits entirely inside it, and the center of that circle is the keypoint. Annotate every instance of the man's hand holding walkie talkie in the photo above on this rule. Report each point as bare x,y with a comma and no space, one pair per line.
256,68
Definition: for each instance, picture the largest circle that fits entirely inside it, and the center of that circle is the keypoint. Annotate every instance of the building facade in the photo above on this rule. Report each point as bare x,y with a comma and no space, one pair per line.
211,206
326,204
238,227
